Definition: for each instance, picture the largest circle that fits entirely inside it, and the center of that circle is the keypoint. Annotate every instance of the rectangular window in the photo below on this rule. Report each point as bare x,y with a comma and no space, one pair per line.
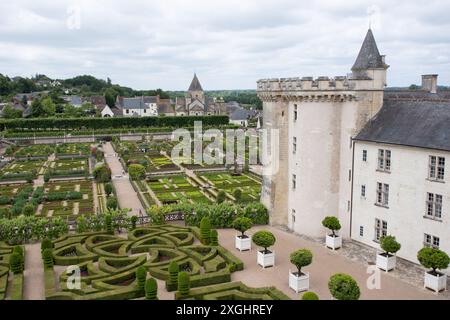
294,145
384,160
127,111
430,241
363,191
436,168
349,175
434,205
380,229
295,112
382,196
361,231
294,181
364,155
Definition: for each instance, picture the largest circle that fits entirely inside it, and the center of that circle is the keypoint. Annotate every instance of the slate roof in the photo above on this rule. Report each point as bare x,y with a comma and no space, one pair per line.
416,119
241,114
76,100
369,57
195,84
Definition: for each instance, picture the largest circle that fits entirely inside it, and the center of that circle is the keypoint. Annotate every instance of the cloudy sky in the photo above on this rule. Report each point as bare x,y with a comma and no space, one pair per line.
229,43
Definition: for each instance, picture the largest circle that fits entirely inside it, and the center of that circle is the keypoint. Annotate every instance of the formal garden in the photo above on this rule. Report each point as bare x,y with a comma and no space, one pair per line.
22,170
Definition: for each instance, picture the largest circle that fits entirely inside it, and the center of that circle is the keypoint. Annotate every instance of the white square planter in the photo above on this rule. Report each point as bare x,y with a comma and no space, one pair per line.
436,283
333,242
386,263
243,244
266,259
297,283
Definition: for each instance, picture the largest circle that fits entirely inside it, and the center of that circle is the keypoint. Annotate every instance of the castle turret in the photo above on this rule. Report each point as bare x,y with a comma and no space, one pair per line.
316,120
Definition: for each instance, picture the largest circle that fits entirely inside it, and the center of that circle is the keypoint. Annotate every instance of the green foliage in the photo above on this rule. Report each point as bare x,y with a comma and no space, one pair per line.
28,210
257,212
433,258
136,171
111,203
264,239
46,244
310,296
183,283
102,173
389,244
173,272
237,194
242,224
221,196
151,289
47,256
214,238
46,177
343,287
301,258
205,230
10,113
19,250
16,263
156,214
108,188
332,223
141,276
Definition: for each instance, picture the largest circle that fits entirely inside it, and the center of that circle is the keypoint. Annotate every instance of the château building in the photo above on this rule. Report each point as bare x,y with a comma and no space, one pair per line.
375,158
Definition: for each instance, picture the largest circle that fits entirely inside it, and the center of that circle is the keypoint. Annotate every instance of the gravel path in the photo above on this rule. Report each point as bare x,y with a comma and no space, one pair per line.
34,286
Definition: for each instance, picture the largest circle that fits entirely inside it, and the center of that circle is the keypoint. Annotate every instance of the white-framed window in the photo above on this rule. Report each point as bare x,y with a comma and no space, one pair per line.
436,168
431,241
294,181
384,160
145,110
364,155
380,229
434,205
361,231
127,111
382,196
363,191
294,145
295,112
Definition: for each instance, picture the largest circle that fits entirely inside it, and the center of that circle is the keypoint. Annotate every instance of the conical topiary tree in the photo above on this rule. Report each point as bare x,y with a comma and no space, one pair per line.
183,283
47,256
15,263
46,244
214,238
141,276
173,272
205,230
151,289
108,224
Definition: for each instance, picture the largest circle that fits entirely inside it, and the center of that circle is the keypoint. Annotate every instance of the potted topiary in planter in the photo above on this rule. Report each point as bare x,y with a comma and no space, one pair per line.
333,240
243,242
344,287
435,259
265,239
299,281
386,260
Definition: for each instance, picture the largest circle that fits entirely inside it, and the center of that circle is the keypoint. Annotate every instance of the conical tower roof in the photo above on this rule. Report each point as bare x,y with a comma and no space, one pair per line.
369,57
195,84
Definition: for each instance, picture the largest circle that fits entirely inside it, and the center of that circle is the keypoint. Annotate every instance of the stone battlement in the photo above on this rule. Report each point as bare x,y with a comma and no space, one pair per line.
306,84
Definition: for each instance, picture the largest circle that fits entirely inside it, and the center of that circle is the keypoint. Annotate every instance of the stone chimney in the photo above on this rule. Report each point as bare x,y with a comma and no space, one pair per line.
429,82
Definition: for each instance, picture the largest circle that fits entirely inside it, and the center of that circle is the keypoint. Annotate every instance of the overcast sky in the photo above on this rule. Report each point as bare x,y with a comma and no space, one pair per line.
229,43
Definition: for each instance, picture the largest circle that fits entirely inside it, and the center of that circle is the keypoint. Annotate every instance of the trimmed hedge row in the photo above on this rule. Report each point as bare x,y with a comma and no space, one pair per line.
104,123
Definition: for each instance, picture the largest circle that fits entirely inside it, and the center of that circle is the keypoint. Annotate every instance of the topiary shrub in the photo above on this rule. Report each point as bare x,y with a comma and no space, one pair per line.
332,223
264,239
141,277
46,244
300,259
102,173
16,263
173,272
389,244
151,289
46,177
344,287
237,194
184,284
108,224
133,221
205,230
433,258
136,171
310,296
111,203
19,250
221,196
47,256
28,210
108,188
242,224
214,238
